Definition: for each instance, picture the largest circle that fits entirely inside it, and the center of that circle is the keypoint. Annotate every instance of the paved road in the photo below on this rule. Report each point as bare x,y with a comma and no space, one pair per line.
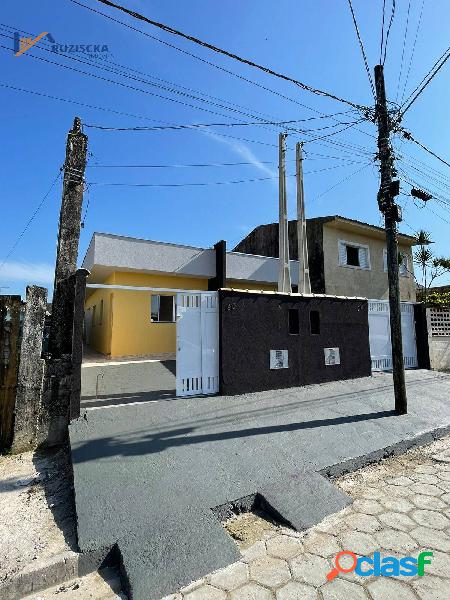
148,475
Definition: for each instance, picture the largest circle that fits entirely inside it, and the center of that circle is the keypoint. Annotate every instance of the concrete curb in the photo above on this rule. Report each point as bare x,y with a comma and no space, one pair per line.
53,571
354,464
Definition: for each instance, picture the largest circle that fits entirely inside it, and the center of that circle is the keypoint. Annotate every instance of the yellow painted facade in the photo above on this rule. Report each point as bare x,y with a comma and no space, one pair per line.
126,328
121,321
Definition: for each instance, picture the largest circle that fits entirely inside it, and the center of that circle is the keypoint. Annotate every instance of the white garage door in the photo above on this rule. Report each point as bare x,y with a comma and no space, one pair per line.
380,335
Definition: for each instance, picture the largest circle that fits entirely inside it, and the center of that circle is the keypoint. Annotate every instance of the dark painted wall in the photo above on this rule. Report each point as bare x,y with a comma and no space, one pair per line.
263,240
251,324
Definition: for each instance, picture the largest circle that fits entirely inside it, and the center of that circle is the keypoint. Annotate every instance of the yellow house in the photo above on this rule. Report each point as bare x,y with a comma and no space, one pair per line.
130,299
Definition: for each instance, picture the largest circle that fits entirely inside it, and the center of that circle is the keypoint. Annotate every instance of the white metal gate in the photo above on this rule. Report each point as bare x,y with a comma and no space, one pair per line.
197,343
380,335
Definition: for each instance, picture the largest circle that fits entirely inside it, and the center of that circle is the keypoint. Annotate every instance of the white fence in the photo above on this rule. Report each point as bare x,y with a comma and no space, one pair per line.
438,323
380,335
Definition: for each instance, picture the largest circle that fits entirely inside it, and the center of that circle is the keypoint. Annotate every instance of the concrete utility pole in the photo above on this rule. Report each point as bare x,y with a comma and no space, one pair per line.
304,284
68,233
391,214
284,276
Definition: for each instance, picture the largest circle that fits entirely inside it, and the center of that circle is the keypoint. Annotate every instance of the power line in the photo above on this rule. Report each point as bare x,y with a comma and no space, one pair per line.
408,136
128,68
382,30
29,54
78,102
413,50
421,89
205,125
236,57
389,31
426,75
140,80
204,165
342,181
361,45
174,185
403,50
204,183
30,220
106,109
195,56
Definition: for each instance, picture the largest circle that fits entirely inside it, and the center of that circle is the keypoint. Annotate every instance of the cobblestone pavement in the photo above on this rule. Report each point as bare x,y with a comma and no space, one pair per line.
401,507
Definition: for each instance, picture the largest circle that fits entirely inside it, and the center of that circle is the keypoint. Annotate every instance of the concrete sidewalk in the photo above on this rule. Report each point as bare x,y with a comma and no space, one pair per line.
148,475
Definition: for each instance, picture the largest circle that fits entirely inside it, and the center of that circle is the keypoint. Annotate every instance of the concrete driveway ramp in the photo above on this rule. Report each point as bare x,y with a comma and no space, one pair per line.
162,556
304,500
148,476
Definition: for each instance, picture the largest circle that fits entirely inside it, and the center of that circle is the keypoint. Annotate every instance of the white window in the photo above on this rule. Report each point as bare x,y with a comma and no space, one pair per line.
162,309
403,267
354,255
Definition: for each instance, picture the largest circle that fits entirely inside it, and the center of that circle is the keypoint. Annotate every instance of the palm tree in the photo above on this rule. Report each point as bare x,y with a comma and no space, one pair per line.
430,266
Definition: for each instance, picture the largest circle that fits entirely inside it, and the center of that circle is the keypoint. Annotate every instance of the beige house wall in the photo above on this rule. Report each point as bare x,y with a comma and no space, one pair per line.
351,281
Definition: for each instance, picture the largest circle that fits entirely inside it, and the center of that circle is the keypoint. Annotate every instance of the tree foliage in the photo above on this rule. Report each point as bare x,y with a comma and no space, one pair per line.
431,267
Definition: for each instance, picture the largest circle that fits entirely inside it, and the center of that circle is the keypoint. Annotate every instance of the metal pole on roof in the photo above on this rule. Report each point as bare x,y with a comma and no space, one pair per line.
304,283
284,276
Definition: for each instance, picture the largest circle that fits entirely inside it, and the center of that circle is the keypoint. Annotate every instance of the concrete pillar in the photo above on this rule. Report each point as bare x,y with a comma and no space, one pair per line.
9,363
220,279
62,378
31,371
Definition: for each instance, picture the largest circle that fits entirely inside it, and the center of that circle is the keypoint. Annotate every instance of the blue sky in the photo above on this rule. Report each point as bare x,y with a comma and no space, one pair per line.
311,40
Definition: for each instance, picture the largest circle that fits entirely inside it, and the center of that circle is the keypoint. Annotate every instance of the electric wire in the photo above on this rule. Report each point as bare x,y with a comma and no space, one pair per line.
382,30
409,137
389,31
30,220
412,51
196,57
361,45
427,74
342,181
204,183
403,51
31,55
422,88
231,55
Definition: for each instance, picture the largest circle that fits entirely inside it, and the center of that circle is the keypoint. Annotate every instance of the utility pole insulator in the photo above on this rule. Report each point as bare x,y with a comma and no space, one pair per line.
421,194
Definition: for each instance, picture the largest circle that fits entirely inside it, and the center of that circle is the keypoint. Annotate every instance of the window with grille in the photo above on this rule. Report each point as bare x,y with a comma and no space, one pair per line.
354,255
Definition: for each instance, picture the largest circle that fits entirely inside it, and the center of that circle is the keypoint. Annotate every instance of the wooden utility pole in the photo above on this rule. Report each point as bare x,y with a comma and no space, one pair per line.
304,283
284,276
68,237
391,214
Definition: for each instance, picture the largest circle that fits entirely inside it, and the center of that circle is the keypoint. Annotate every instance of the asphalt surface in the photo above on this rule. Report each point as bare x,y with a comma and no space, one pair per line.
147,475
113,383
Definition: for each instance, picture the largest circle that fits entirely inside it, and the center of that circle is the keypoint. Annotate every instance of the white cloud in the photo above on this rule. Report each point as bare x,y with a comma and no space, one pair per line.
244,152
27,272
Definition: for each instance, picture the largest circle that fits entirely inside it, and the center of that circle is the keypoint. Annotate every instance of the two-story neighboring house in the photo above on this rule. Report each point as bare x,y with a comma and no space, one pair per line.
346,257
